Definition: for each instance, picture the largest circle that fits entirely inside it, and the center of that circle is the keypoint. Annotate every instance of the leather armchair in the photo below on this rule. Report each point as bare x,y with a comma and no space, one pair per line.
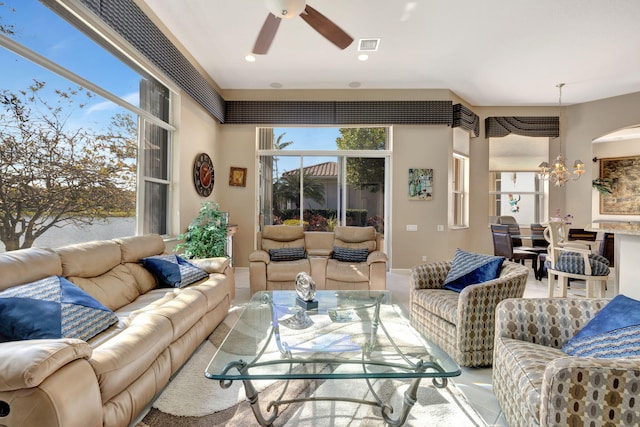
367,275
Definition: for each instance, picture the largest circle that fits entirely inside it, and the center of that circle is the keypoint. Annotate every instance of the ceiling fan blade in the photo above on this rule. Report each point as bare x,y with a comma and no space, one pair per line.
267,33
327,28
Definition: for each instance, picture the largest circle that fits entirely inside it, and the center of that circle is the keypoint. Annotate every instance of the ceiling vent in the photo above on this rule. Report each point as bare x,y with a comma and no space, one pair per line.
368,45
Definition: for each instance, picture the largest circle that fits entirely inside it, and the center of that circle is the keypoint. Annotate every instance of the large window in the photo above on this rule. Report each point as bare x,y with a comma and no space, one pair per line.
85,148
459,191
518,194
323,176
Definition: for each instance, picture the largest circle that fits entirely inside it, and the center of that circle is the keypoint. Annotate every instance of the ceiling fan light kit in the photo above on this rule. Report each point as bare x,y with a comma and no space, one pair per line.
285,9
279,9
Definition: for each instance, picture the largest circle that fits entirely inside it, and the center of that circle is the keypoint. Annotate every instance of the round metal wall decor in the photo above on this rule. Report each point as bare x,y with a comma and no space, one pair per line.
203,174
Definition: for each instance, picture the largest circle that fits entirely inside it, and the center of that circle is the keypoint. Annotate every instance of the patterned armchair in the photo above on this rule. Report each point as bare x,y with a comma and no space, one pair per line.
537,384
462,323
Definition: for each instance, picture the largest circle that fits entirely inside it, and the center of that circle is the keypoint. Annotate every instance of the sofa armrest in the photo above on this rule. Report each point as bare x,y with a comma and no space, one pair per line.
26,364
376,256
546,321
212,265
589,389
429,276
260,256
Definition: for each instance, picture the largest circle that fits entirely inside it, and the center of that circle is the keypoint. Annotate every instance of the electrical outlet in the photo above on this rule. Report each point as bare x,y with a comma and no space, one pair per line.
412,227
440,227
424,258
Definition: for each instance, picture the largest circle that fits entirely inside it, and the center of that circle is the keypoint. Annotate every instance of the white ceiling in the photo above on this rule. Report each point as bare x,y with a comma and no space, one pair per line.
489,52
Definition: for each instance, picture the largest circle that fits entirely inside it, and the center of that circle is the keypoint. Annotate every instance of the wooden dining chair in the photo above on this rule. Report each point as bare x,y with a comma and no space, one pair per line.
503,246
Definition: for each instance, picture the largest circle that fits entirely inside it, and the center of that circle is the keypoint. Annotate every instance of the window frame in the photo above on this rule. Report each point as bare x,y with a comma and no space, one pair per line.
459,206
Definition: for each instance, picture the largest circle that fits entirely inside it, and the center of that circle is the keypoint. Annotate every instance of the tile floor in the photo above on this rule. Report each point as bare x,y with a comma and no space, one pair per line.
475,383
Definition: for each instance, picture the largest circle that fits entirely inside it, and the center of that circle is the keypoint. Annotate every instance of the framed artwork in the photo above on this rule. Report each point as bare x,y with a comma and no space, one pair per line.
420,184
624,175
238,177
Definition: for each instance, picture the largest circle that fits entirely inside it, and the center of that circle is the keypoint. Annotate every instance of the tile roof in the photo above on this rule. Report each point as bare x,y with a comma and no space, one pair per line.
326,169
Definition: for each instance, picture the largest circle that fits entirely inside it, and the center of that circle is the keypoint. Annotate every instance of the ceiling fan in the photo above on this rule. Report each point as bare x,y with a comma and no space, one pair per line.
288,9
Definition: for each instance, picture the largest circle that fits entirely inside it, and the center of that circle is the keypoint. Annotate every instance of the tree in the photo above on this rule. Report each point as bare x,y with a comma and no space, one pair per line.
287,189
363,172
279,145
52,173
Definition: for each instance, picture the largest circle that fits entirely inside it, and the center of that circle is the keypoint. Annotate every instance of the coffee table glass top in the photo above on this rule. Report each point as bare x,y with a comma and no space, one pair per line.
352,334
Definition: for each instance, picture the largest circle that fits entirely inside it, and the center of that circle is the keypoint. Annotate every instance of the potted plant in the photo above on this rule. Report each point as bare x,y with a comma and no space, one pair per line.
206,236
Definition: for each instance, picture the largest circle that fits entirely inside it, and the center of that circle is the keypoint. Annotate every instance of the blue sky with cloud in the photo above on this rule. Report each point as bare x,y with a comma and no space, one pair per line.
44,32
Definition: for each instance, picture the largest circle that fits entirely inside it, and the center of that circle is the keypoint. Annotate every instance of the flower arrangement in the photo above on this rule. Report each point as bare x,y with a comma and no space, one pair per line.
558,217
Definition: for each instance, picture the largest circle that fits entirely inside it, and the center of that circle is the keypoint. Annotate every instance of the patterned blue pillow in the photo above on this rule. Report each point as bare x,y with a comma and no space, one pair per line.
173,271
350,254
613,332
573,262
470,268
287,254
51,308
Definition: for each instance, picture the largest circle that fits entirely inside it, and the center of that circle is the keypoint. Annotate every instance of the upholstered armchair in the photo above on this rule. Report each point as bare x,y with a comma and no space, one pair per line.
462,323
357,263
537,384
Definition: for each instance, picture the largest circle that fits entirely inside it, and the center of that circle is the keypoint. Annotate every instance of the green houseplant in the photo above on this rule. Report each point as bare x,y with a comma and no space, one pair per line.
206,236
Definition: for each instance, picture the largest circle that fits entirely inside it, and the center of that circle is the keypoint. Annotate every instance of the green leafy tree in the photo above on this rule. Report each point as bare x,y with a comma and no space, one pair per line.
364,172
53,173
278,144
287,189
206,236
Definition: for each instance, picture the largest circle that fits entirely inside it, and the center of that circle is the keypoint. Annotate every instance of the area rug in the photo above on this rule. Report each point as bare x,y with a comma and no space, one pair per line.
193,400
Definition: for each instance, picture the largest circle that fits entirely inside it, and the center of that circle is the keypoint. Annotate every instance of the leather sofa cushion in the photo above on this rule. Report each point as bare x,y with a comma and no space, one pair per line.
214,289
114,289
89,259
356,237
127,355
27,265
281,236
347,272
286,271
135,248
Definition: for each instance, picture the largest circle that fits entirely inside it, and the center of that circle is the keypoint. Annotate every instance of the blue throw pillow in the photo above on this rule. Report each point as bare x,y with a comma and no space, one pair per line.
350,254
470,268
613,332
173,271
51,308
287,254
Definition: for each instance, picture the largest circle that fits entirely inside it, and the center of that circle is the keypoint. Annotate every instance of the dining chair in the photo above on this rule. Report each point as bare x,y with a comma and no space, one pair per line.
514,228
583,236
503,246
573,260
607,248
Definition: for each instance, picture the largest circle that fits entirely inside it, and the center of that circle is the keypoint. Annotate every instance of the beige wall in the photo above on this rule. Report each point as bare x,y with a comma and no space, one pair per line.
414,146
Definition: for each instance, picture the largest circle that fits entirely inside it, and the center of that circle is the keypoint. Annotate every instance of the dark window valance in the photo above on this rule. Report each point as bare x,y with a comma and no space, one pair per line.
536,126
128,20
339,112
466,119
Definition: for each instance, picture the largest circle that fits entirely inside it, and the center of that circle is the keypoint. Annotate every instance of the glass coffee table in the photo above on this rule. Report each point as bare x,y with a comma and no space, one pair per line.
351,335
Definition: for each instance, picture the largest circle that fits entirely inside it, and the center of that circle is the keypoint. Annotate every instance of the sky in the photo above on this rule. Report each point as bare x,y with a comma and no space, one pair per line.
319,138
44,32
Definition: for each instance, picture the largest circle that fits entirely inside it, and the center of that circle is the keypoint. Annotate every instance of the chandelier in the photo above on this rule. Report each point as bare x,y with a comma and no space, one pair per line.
558,172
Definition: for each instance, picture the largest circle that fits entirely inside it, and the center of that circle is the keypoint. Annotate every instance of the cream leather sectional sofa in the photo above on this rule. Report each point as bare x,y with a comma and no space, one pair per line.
108,380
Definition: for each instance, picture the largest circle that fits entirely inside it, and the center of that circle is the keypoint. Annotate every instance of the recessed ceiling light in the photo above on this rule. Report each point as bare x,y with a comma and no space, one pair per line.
276,85
354,84
363,57
250,58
